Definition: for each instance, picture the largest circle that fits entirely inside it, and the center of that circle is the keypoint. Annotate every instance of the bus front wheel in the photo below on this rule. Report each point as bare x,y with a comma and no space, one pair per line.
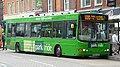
58,51
17,48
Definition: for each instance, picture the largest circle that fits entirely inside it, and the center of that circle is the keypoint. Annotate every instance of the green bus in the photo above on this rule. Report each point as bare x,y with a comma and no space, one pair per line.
78,34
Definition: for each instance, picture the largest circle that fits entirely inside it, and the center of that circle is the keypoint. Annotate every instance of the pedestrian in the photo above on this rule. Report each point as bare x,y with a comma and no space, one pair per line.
3,38
115,42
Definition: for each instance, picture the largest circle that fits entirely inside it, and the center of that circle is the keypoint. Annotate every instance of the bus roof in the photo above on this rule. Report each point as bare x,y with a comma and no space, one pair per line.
49,18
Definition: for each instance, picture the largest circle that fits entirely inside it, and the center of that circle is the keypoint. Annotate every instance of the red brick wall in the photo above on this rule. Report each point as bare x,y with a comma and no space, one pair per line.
45,5
72,4
20,8
104,5
118,3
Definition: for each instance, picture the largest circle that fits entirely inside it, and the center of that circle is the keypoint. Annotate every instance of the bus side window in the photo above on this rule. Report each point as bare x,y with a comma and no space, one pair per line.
20,29
46,29
9,29
13,30
35,30
58,27
71,30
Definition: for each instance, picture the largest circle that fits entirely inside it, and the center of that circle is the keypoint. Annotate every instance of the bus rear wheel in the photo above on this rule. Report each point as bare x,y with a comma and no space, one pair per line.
58,51
17,48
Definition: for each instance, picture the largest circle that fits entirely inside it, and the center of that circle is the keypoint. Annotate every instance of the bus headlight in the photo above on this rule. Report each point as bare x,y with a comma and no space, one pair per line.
107,49
83,49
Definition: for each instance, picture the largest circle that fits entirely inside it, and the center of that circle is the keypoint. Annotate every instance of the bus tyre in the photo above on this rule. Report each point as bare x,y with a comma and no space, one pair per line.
58,51
17,48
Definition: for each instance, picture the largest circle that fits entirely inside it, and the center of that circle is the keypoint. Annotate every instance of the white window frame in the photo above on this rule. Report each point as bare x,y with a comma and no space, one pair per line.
27,5
9,8
85,4
97,4
13,8
17,6
22,6
50,5
66,4
33,4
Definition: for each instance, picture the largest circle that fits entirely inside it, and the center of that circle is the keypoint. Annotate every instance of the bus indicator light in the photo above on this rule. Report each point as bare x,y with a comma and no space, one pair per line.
80,49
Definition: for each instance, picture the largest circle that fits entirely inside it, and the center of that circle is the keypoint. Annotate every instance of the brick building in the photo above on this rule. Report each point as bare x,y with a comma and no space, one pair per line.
18,8
79,5
1,11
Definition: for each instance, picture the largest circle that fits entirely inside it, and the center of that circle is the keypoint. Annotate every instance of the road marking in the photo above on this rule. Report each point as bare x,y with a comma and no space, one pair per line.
42,63
3,65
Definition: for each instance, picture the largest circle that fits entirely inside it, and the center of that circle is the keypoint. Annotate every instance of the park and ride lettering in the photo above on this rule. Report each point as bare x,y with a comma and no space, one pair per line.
47,47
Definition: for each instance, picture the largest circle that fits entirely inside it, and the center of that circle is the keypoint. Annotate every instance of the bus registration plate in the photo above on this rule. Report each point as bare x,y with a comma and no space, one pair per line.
96,55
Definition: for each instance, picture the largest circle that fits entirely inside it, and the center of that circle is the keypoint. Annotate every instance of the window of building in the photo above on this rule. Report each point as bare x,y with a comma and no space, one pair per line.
85,3
27,5
35,30
22,5
98,2
17,7
9,8
13,8
49,5
66,4
33,4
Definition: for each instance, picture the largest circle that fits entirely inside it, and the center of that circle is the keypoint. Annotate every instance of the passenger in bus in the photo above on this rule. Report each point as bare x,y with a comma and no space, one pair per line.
102,34
39,33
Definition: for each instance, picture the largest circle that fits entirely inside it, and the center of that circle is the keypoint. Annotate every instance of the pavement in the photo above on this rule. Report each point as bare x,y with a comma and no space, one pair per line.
115,57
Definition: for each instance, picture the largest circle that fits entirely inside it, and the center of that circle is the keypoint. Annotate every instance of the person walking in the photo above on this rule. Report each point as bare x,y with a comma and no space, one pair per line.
3,38
115,42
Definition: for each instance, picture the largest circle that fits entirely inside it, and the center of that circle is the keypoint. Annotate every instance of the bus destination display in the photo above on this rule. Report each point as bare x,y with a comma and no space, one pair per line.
94,17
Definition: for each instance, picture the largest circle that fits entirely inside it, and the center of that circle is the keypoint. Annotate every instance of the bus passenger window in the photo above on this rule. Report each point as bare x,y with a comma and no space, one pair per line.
27,29
20,29
9,30
35,30
13,30
58,27
46,29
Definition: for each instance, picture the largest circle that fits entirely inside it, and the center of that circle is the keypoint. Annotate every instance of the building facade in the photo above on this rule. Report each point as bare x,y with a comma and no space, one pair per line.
25,8
66,5
1,11
18,8
80,6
